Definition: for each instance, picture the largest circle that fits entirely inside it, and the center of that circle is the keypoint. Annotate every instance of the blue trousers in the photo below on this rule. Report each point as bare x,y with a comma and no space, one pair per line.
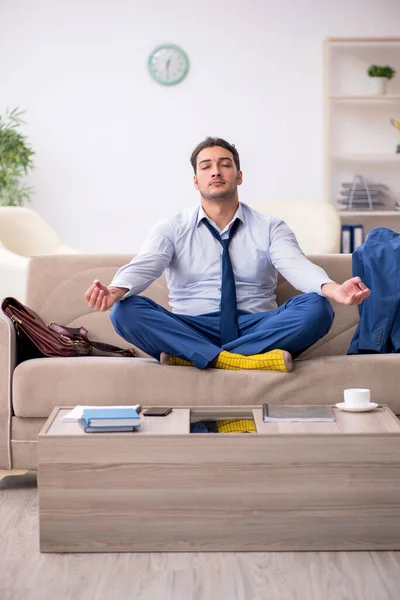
294,326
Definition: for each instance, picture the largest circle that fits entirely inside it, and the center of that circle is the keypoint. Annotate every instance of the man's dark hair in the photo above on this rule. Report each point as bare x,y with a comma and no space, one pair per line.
210,142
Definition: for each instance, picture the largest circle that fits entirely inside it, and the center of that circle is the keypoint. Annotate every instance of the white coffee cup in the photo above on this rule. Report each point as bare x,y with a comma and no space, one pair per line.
357,397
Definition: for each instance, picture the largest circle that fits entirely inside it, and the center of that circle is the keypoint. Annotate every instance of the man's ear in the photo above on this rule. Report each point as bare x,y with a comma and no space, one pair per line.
239,178
196,185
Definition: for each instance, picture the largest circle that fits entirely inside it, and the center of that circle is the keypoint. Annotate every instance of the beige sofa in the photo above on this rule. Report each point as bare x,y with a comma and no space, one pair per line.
56,285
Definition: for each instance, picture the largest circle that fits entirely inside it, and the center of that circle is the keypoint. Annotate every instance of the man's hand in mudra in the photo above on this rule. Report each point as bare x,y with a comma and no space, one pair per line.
101,298
352,291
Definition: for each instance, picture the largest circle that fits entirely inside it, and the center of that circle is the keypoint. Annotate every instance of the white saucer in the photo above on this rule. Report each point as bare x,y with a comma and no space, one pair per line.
343,406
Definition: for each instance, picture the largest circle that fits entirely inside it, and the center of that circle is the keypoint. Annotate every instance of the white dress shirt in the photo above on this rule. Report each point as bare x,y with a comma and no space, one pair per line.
191,257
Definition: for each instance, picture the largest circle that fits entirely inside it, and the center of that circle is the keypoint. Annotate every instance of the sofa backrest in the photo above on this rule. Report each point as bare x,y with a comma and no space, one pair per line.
57,283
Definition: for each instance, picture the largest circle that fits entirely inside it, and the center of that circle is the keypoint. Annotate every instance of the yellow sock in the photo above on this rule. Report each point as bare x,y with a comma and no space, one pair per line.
275,360
181,362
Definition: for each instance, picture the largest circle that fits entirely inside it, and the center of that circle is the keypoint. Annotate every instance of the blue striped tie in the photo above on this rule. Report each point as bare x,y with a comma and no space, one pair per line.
229,326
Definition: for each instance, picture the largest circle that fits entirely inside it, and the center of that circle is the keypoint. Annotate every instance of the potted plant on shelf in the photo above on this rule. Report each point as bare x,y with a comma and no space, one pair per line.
380,77
15,161
396,123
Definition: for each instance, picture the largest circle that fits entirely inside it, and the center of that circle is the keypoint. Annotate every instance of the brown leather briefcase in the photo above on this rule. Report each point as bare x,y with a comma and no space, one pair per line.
35,339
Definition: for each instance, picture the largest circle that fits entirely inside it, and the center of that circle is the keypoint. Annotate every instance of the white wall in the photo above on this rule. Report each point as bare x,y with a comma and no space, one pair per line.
113,146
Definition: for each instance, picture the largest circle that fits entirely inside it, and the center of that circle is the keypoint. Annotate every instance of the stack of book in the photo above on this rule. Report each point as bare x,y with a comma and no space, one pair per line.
109,420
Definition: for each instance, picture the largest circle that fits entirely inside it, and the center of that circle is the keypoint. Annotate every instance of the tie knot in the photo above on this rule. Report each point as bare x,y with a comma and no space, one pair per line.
214,232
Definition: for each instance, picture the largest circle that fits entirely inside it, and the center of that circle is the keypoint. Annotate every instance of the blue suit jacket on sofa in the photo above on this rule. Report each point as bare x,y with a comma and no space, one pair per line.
377,262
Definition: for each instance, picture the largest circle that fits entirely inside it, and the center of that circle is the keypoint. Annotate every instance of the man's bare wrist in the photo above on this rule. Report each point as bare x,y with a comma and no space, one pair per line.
328,289
118,292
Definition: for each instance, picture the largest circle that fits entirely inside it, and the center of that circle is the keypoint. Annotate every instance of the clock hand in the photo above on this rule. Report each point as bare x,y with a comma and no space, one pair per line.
167,64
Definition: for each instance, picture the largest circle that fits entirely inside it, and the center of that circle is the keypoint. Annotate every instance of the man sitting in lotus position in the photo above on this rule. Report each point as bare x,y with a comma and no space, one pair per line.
221,261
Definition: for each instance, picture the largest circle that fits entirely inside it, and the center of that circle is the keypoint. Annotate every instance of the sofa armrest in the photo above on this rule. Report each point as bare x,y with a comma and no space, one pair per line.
13,274
8,361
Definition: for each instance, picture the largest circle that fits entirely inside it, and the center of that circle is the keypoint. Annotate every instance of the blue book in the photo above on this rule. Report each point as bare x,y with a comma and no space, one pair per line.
107,429
106,417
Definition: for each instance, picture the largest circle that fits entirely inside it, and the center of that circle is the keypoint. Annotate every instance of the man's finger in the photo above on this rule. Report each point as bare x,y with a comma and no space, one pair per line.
99,300
93,297
363,287
102,286
88,292
104,304
359,297
99,285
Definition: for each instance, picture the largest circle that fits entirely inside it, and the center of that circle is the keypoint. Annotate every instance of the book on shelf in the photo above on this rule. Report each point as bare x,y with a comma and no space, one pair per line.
275,413
110,417
107,429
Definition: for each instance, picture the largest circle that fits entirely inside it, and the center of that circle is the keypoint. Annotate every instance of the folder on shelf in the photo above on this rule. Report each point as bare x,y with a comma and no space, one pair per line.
358,236
352,236
345,244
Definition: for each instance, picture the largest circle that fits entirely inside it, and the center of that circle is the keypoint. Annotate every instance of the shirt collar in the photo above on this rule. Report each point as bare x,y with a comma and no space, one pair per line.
238,215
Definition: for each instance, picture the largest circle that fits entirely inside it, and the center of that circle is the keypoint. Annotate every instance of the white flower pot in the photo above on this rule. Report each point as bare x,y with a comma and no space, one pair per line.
379,85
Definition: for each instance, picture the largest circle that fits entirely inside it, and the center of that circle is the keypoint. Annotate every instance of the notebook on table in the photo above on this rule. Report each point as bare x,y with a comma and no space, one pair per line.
275,413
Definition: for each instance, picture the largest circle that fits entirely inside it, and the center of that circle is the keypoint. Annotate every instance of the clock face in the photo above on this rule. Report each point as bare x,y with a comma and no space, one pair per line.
168,64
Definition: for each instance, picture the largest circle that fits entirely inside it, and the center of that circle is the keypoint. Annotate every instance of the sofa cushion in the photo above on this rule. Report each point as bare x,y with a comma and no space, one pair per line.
41,384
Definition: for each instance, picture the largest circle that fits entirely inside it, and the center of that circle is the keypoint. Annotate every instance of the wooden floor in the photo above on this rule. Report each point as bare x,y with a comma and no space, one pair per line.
25,574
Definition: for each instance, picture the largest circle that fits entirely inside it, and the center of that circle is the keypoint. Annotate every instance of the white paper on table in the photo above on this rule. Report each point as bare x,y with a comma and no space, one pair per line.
77,413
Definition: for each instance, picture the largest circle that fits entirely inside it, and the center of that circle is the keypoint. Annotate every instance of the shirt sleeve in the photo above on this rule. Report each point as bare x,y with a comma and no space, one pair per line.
153,258
288,258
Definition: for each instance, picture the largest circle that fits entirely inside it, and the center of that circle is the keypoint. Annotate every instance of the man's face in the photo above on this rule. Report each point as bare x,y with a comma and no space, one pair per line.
216,177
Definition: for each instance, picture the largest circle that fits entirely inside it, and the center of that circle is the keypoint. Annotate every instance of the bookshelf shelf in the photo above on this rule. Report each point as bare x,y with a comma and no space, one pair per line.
367,41
369,158
370,213
368,98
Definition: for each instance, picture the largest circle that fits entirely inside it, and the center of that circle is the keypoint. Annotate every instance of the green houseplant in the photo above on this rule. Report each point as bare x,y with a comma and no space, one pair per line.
15,161
380,76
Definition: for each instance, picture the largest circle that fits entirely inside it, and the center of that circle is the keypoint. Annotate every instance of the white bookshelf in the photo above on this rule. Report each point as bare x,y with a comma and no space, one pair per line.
359,139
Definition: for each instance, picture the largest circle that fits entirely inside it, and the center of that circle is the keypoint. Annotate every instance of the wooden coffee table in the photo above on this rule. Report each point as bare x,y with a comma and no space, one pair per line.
290,486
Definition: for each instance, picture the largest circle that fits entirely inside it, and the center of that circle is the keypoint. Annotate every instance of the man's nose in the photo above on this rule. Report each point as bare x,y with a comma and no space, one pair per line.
215,170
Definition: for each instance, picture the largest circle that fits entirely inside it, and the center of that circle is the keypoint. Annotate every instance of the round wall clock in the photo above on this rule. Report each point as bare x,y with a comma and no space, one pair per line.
168,64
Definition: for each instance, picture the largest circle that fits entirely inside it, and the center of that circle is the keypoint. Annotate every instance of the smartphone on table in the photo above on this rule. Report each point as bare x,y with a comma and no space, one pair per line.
157,411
